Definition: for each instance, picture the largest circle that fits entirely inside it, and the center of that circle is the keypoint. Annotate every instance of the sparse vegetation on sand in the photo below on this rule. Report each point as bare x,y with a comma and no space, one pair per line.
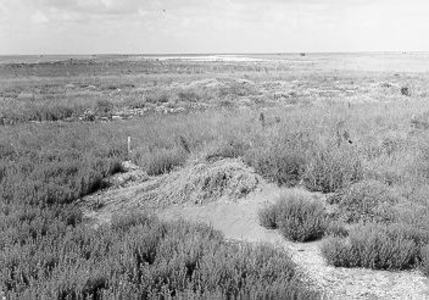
201,131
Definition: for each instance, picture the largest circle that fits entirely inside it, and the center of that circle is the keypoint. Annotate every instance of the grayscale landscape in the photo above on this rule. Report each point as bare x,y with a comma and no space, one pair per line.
257,151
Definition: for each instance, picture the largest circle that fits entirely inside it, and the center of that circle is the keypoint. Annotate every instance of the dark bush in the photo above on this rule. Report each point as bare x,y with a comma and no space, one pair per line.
268,216
372,246
298,217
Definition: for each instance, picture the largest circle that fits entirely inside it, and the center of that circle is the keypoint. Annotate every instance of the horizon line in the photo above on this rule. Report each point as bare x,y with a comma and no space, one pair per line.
218,53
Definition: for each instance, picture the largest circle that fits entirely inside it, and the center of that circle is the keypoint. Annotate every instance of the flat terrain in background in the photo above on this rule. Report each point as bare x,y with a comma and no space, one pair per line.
363,61
323,158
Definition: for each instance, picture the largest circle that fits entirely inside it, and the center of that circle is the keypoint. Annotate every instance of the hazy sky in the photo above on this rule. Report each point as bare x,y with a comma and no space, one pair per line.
201,26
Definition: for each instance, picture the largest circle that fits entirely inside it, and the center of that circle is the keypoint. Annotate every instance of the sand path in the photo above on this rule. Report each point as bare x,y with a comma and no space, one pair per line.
238,220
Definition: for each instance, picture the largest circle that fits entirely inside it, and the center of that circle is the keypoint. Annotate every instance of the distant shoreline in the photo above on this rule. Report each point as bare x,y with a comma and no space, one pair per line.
210,54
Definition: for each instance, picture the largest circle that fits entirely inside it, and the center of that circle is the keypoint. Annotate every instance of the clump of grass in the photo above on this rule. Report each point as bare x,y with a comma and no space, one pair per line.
268,216
373,246
297,216
104,108
366,201
162,161
236,88
336,229
331,168
189,96
282,161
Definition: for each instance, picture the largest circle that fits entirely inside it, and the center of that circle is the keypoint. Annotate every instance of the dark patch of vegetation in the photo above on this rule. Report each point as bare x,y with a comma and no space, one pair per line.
143,258
104,108
298,217
373,246
157,98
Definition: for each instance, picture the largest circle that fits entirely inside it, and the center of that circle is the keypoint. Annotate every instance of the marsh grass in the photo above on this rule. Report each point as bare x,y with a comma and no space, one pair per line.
373,246
141,257
366,201
47,253
297,216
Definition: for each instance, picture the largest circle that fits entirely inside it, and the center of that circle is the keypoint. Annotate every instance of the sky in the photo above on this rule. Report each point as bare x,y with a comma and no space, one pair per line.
211,26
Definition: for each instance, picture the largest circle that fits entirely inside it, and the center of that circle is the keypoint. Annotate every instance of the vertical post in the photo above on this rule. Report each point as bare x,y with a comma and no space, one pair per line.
129,148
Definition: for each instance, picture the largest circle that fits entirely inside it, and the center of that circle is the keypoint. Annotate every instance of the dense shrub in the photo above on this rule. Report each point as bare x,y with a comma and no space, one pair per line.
143,258
366,201
372,246
268,216
298,217
54,110
330,168
282,161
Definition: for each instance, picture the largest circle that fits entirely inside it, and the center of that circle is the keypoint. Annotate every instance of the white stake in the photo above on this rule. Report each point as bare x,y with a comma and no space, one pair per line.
129,147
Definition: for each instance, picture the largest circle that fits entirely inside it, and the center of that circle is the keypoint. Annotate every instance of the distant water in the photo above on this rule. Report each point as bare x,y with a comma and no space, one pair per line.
361,61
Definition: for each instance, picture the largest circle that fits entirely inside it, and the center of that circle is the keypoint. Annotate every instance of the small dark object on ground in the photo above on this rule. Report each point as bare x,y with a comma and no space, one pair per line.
405,91
262,119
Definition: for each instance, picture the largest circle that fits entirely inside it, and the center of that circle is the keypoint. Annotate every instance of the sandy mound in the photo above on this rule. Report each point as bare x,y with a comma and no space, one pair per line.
197,183
205,182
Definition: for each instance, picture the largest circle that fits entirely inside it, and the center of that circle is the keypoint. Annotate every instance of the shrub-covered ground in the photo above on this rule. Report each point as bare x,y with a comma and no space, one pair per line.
349,135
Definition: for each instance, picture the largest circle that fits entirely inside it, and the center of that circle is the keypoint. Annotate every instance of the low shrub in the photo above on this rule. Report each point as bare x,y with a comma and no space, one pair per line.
298,217
162,161
268,216
372,246
188,96
366,201
282,161
140,259
336,229
331,168
104,108
124,222
157,98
